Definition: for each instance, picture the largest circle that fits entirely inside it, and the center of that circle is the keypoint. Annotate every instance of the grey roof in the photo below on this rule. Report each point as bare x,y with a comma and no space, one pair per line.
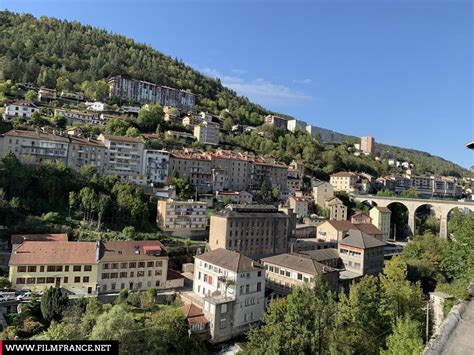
383,209
298,262
322,254
229,260
359,239
318,183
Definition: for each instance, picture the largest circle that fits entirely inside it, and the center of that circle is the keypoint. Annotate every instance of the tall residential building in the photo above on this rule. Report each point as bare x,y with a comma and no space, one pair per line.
367,144
344,181
322,191
22,109
69,265
124,157
254,230
156,166
277,121
269,171
207,132
132,265
143,91
229,289
337,209
86,151
35,147
295,176
233,169
361,253
194,167
182,218
381,219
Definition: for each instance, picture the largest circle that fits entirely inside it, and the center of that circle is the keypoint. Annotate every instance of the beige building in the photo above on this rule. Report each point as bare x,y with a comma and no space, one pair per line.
254,230
270,171
132,265
21,109
207,132
74,116
283,272
360,217
337,209
344,181
322,191
182,218
299,206
334,231
35,147
86,151
124,157
381,219
194,167
277,121
36,265
233,168
361,253
295,176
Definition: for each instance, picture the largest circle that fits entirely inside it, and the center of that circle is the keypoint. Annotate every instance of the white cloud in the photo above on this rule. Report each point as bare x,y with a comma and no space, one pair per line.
239,71
259,90
303,81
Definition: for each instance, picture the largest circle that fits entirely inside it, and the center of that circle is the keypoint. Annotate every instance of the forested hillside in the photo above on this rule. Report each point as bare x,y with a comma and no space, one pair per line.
62,54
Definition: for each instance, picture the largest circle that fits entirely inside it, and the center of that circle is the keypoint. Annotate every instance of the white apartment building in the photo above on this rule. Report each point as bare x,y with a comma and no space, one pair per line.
182,218
230,288
313,131
155,166
207,132
21,109
79,116
124,157
294,125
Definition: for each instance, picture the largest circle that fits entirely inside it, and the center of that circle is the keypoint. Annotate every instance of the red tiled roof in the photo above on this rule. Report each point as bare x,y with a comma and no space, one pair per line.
20,238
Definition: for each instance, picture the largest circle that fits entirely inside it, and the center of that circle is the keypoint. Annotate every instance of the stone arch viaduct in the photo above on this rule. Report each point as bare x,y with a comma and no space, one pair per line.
441,208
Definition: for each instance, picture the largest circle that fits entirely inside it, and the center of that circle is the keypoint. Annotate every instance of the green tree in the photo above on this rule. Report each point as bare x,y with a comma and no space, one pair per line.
301,324
405,339
53,303
60,122
150,116
129,233
132,132
116,126
276,194
5,283
95,90
228,123
410,193
38,120
31,96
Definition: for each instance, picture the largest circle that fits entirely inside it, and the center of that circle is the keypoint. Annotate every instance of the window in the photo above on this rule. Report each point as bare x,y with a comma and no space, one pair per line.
50,280
123,275
66,268
222,323
20,281
157,272
114,266
159,263
259,286
66,280
87,267
224,308
132,273
112,287
132,265
77,279
247,288
21,269
114,275
259,274
157,283
41,268
40,280
123,266
106,266
85,279
287,274
31,268
149,273
300,276
150,264
76,268
105,275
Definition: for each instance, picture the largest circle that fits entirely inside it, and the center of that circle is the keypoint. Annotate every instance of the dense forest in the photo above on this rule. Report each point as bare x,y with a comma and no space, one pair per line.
65,55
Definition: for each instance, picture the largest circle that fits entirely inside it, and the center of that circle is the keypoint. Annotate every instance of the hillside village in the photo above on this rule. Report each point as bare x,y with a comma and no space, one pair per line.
272,227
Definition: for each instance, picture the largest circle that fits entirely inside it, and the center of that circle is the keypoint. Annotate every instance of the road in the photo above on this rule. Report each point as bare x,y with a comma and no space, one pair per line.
462,339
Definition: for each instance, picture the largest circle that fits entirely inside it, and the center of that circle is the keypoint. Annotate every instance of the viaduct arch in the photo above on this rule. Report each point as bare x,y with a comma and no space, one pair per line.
441,208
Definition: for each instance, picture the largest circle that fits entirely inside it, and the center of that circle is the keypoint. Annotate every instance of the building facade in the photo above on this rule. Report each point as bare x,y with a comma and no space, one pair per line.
182,218
207,132
86,151
381,219
276,121
156,166
254,230
344,181
22,109
337,209
367,144
73,116
322,191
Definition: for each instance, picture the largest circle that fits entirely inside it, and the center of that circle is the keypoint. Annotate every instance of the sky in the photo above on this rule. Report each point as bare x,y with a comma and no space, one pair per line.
398,70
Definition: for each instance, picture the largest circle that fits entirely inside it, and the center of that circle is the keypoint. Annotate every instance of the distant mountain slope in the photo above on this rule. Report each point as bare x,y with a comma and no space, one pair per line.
63,54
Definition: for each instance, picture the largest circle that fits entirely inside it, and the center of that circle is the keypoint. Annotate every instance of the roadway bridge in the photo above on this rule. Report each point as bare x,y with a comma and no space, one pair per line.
441,208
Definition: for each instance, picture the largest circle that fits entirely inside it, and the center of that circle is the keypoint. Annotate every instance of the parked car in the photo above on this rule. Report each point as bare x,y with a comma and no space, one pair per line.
23,296
4,298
